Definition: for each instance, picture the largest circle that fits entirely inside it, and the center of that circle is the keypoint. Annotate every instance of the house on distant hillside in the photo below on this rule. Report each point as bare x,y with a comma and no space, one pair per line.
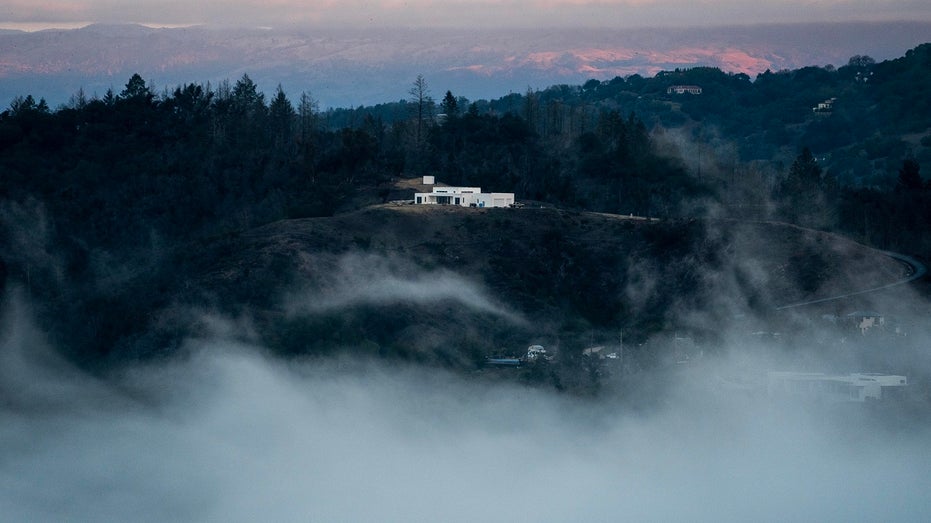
825,107
682,89
462,196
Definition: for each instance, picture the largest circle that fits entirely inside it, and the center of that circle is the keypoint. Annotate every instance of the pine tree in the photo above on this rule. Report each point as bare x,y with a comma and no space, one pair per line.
910,176
804,175
449,106
281,115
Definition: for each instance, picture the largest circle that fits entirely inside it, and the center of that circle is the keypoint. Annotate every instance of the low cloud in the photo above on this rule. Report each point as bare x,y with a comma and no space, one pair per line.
362,280
228,433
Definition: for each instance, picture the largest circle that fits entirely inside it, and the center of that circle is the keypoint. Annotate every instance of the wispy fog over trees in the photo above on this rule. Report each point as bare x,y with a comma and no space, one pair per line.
115,183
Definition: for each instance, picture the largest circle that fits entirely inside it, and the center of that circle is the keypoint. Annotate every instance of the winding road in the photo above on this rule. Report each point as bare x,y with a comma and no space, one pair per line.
916,270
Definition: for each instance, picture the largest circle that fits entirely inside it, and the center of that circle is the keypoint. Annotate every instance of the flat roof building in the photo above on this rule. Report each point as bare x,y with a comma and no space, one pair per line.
845,388
464,197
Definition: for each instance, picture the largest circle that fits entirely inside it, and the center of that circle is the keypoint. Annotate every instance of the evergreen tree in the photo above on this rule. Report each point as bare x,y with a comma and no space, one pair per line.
449,106
909,176
246,98
806,194
281,115
137,90
109,98
804,175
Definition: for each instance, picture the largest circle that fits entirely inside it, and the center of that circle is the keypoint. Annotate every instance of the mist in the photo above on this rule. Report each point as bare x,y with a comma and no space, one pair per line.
365,279
226,432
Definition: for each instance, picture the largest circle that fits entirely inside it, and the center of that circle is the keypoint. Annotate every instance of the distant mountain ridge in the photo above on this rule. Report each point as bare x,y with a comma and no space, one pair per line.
343,68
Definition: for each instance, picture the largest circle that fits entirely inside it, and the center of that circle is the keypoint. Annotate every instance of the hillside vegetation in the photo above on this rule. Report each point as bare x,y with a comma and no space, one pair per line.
451,286
132,219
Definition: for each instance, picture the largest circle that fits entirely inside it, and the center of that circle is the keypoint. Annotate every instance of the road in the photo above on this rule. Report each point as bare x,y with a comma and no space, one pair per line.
916,270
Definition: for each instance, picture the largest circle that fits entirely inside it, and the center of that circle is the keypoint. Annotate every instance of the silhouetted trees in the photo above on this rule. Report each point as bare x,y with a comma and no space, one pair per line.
910,177
137,172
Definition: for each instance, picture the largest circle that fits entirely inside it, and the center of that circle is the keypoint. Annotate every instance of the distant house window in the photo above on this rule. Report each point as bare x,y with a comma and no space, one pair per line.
457,201
419,199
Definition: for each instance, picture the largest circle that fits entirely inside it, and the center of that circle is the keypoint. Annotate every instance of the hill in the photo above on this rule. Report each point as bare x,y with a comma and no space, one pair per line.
450,286
860,118
137,220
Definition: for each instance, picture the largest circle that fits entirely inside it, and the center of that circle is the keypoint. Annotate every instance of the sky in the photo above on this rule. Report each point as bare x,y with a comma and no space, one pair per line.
32,15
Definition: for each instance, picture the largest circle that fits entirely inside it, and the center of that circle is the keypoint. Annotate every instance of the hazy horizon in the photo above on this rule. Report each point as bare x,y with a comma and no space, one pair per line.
35,27
367,66
472,14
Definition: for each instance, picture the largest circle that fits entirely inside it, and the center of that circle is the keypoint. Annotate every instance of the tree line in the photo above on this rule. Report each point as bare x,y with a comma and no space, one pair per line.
117,171
203,160
112,182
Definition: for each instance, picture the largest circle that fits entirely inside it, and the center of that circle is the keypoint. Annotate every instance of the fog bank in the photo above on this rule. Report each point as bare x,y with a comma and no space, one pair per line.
227,433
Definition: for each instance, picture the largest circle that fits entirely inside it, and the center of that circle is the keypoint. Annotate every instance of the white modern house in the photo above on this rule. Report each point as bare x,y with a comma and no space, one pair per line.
462,196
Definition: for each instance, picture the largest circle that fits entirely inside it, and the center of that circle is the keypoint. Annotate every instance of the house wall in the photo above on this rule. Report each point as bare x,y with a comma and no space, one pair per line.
464,197
682,89
502,199
457,190
495,199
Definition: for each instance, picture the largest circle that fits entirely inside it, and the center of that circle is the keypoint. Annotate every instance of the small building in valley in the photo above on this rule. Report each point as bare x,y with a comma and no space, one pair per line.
865,321
827,388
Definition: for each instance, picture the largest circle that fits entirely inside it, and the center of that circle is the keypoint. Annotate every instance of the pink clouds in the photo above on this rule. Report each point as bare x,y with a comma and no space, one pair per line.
607,62
620,61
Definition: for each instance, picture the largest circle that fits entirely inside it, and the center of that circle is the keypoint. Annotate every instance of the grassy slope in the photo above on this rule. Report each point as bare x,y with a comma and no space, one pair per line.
574,277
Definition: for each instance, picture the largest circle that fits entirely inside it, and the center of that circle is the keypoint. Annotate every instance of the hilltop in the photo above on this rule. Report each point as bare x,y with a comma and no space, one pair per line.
450,286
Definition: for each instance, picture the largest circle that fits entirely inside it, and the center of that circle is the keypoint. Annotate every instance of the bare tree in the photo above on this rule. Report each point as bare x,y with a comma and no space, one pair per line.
307,111
423,107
